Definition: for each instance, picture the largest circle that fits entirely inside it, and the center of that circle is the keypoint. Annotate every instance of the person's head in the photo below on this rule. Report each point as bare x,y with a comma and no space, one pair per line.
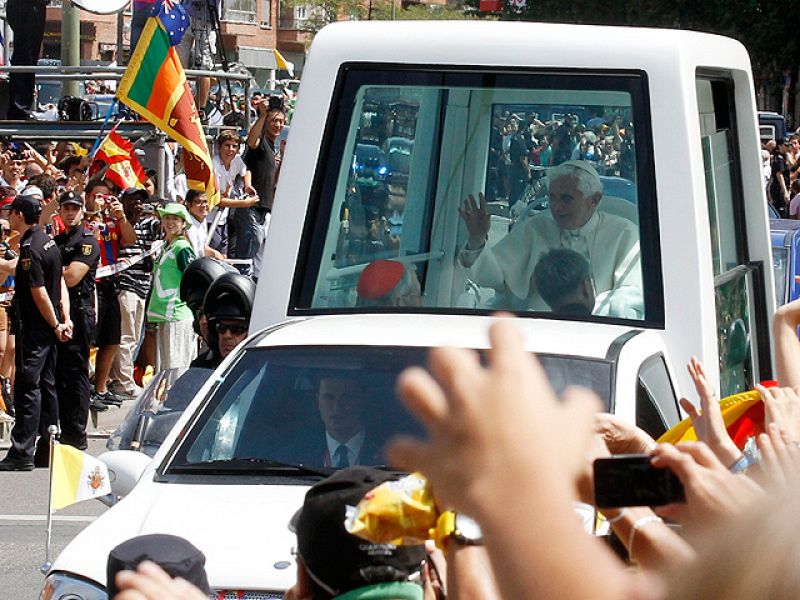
133,199
32,170
770,146
227,305
71,166
5,230
195,283
389,283
150,182
795,187
783,145
575,190
340,401
794,143
197,204
563,279
47,184
70,209
276,119
228,144
331,561
13,170
175,220
96,192
177,556
25,211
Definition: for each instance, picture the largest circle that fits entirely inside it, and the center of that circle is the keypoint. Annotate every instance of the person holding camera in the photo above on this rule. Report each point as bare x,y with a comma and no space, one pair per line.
133,284
80,255
106,217
260,158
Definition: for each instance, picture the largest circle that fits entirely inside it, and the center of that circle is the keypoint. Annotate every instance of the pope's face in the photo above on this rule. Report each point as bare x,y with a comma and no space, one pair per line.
569,207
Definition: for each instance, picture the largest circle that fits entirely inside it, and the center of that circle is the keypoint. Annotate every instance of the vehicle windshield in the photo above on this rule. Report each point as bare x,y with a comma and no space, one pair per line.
288,406
563,222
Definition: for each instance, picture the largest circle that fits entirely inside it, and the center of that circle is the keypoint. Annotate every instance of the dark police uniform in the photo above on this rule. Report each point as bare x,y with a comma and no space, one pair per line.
35,398
72,363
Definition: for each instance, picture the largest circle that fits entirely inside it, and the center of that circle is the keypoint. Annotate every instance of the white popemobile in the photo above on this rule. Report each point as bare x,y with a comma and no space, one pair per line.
678,161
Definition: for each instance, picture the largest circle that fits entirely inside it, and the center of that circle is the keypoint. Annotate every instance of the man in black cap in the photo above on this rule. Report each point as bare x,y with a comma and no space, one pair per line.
332,563
80,254
41,320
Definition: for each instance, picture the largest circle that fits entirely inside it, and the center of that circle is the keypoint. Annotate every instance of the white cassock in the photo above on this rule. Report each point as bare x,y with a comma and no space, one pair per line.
610,244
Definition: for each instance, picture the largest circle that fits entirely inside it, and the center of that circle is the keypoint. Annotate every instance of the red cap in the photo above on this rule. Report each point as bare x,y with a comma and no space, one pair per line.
6,201
379,278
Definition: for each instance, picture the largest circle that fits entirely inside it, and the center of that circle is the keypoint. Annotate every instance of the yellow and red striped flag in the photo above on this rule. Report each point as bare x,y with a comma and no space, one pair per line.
124,169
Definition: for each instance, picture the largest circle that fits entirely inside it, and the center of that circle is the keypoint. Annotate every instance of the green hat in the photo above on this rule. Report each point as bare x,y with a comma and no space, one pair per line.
176,210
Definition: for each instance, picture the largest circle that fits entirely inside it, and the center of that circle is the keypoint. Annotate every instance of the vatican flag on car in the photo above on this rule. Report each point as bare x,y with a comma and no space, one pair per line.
76,476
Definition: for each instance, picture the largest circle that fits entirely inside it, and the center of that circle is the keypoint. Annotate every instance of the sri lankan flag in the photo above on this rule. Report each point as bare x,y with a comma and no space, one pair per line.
154,85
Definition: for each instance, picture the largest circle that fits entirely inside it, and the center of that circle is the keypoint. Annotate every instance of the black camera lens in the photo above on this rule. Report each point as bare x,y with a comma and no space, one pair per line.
275,103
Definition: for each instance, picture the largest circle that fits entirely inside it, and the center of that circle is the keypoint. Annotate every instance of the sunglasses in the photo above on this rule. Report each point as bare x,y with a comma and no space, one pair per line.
234,329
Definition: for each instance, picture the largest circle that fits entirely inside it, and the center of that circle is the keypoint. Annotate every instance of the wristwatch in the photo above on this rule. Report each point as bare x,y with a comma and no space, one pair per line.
458,528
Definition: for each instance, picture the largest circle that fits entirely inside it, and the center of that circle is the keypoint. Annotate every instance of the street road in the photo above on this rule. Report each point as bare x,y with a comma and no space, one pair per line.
23,510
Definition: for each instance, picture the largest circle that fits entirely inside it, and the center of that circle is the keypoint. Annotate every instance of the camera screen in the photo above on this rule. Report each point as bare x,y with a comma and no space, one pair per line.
632,481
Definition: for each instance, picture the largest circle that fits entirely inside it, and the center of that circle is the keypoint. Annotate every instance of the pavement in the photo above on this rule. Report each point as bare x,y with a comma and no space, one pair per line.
23,514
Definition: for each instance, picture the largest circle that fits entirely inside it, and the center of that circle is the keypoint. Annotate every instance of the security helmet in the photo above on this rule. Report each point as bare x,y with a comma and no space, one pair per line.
231,296
197,278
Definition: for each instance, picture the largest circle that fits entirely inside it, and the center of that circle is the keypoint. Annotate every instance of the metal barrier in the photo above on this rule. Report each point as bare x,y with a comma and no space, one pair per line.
90,130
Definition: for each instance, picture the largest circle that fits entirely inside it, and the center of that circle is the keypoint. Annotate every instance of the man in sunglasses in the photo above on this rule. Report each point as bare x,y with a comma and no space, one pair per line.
227,306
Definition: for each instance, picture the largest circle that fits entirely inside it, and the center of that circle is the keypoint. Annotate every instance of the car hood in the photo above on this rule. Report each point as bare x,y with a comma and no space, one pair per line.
241,529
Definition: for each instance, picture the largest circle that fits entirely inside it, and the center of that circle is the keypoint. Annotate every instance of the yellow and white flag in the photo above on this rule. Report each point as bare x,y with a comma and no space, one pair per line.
77,476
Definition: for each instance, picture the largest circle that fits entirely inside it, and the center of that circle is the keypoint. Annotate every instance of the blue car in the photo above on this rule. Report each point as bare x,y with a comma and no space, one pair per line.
785,236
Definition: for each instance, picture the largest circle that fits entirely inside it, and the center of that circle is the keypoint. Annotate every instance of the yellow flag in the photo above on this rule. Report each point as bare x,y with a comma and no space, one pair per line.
77,476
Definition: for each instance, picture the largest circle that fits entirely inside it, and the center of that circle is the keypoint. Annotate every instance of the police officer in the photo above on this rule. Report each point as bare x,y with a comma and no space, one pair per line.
42,319
80,254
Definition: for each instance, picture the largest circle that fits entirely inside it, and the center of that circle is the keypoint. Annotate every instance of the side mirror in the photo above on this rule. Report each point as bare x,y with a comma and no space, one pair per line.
125,468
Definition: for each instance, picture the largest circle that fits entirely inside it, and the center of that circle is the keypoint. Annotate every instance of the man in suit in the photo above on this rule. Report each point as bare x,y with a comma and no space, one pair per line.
341,403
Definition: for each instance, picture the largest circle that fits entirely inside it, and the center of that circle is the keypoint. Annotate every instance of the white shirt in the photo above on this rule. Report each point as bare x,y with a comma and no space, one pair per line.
198,236
353,446
226,178
610,244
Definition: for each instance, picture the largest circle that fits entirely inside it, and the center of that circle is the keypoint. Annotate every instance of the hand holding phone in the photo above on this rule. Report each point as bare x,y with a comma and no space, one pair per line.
631,480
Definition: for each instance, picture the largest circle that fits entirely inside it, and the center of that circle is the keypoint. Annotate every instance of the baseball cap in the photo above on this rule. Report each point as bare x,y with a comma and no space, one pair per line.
34,192
142,193
6,202
26,204
379,278
336,560
177,556
785,141
70,197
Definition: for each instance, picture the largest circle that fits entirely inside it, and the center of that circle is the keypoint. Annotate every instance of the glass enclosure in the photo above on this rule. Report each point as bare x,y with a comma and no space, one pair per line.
482,191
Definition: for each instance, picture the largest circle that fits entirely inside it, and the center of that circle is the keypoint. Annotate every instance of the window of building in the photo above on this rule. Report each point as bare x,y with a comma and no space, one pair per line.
575,241
239,10
265,15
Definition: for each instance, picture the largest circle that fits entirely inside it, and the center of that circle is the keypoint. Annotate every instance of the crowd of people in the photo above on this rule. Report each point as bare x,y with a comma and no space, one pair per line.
522,145
781,163
92,291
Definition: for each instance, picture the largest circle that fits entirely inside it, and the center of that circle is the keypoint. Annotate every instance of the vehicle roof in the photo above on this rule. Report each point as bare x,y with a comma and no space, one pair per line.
543,336
487,43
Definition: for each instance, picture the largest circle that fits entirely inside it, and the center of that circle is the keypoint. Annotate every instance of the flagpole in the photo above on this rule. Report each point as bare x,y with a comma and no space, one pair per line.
53,431
103,127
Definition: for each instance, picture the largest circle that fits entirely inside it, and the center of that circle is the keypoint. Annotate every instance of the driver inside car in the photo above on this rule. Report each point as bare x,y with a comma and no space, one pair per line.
610,243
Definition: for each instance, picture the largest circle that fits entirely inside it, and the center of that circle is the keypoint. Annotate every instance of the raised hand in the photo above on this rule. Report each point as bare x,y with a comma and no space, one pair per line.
477,220
782,407
708,422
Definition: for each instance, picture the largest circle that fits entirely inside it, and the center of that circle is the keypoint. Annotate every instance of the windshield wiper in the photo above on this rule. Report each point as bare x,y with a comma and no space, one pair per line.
259,465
